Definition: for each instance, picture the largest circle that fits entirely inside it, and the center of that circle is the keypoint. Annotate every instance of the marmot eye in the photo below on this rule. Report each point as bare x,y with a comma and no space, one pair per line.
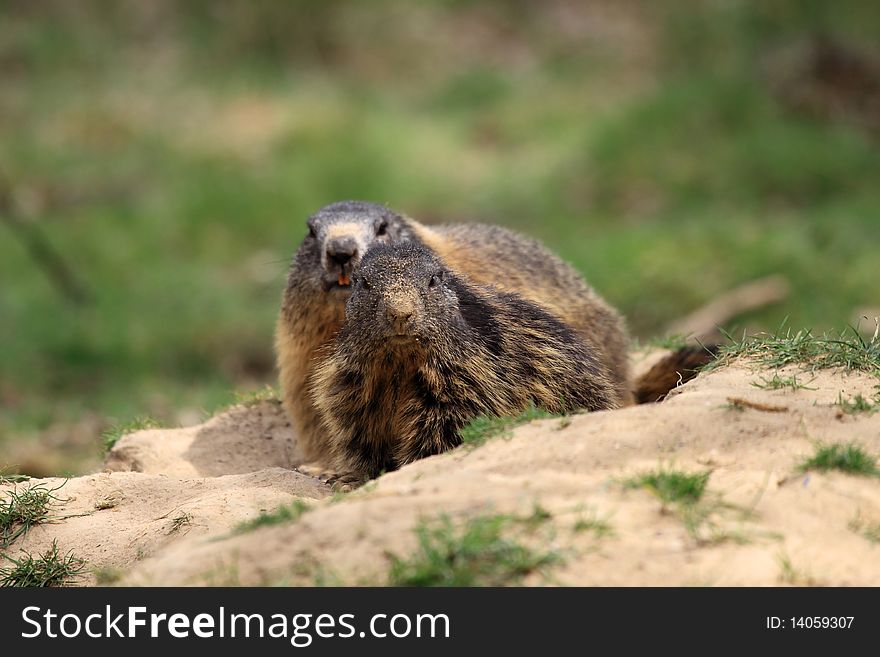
435,280
382,229
363,283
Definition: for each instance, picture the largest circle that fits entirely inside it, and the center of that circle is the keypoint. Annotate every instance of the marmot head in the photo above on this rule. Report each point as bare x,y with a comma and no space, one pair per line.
341,233
402,296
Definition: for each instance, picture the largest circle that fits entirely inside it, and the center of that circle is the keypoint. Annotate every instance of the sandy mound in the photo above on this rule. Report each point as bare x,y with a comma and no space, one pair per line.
112,520
243,439
760,523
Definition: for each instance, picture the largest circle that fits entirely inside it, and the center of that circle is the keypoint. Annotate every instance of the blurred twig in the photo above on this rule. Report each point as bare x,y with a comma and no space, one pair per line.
703,323
41,251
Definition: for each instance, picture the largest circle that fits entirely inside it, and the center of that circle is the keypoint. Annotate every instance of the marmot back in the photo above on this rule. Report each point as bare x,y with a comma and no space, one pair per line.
491,255
423,351
318,285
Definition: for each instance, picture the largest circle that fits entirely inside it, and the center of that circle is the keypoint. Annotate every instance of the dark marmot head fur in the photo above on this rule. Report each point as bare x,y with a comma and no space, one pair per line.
423,351
339,236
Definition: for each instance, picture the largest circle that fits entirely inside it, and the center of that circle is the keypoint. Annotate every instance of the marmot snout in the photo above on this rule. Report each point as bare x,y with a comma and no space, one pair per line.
399,300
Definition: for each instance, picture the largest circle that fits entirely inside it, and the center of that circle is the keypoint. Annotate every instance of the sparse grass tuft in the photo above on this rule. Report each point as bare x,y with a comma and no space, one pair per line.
338,496
106,575
13,478
790,575
849,458
283,514
49,569
600,527
475,554
672,487
777,383
180,521
112,435
858,404
21,509
486,427
868,530
684,493
787,572
266,393
564,423
847,349
536,518
324,577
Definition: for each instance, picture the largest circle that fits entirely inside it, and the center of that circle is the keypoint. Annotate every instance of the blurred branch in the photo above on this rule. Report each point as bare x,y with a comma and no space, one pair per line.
703,323
41,251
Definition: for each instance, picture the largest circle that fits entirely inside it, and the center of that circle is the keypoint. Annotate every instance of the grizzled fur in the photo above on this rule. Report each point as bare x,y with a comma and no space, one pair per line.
491,255
314,298
423,351
313,305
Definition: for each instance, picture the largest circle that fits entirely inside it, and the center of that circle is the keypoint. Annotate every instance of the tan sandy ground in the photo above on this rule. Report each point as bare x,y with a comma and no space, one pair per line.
765,523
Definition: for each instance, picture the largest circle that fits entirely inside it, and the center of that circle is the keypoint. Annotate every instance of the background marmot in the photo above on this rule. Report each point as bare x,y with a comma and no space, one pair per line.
423,351
313,303
318,285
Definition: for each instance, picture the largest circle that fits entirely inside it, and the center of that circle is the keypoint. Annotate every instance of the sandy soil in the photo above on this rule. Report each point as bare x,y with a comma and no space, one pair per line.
763,522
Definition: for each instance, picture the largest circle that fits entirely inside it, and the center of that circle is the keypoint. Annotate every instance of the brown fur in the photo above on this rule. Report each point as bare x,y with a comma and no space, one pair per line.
491,255
423,351
673,370
312,313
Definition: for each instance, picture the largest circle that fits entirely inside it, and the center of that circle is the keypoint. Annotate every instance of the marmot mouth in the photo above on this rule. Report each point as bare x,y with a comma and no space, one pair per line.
341,282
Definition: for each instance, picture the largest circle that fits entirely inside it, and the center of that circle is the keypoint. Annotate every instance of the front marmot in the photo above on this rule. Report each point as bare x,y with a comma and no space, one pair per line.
423,351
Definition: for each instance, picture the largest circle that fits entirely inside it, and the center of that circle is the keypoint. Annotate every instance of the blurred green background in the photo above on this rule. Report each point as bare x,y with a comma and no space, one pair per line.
171,152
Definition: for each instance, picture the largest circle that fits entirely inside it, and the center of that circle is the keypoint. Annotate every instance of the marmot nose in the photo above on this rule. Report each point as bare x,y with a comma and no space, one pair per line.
341,251
399,317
